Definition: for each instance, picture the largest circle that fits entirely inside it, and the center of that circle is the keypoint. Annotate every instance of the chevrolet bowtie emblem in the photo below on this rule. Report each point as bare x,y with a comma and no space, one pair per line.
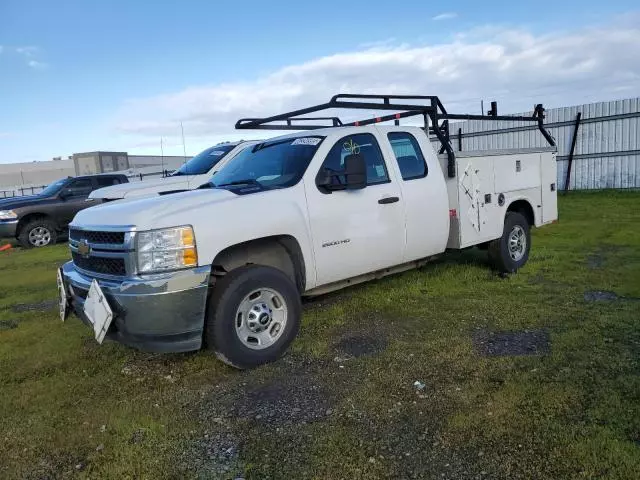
83,248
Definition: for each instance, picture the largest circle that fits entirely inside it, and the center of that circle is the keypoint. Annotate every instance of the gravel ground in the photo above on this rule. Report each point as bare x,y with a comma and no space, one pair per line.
214,455
29,307
284,401
357,345
8,324
499,344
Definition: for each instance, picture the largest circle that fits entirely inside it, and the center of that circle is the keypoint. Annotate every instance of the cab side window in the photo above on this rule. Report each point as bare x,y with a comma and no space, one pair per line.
408,155
364,144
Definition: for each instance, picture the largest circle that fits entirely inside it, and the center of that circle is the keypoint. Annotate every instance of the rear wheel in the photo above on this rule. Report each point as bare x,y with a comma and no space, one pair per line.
38,233
511,251
253,315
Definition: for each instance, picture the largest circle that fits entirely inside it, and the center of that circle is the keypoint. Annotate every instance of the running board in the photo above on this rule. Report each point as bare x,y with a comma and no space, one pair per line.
331,287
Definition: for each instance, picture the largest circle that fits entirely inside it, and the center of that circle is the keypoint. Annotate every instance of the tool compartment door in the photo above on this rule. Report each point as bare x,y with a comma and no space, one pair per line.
548,187
477,213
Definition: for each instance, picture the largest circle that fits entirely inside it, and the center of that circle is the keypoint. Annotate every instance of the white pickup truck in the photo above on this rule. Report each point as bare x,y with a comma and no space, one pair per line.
302,214
191,175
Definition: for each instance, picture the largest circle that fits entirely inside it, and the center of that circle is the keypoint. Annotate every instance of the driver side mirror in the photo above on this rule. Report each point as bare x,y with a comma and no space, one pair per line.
65,193
352,177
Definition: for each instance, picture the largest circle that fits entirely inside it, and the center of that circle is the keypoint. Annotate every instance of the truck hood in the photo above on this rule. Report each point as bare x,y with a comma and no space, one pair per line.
152,212
150,187
19,202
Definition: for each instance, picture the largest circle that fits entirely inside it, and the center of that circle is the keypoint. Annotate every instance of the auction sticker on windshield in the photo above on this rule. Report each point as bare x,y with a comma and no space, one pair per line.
98,311
306,141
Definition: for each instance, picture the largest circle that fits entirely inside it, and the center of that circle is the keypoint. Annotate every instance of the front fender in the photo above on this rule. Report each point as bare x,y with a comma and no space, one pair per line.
255,216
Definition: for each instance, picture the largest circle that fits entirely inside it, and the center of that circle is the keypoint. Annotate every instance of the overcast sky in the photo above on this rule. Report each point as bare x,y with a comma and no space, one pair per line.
81,76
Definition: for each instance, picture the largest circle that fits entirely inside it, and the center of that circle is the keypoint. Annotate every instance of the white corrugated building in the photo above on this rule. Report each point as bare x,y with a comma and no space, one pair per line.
607,150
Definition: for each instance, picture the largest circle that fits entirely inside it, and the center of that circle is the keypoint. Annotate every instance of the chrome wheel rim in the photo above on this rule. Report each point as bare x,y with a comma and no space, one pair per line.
39,237
261,318
517,243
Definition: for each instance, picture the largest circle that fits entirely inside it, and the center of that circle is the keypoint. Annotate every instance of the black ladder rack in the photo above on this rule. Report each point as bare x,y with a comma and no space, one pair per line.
429,107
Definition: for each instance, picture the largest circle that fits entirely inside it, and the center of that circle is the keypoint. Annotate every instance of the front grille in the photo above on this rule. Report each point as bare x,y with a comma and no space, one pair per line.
105,266
96,237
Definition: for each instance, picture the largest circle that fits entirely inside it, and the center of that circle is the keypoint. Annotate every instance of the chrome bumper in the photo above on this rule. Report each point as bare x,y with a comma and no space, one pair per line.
158,313
8,228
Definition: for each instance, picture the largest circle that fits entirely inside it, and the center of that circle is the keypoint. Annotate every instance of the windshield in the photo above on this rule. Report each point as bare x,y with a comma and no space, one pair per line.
54,187
276,164
204,161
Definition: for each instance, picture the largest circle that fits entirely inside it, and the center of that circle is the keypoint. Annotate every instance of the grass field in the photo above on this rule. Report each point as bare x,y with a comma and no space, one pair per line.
534,376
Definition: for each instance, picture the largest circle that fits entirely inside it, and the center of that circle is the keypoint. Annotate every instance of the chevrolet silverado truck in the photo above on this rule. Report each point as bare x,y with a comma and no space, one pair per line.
197,171
303,214
38,220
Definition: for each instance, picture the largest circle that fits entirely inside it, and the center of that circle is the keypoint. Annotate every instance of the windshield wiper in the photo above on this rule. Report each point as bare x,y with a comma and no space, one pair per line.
263,145
247,181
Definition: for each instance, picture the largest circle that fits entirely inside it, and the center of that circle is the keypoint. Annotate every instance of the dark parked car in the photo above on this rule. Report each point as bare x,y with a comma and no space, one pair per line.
37,220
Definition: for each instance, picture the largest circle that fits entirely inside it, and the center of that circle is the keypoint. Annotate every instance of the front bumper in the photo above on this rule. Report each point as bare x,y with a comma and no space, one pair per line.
155,313
8,228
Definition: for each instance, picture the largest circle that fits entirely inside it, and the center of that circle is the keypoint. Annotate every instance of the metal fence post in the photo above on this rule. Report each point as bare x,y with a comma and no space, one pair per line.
573,147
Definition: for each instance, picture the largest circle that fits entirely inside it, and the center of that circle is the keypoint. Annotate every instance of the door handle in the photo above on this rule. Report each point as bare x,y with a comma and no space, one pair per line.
385,200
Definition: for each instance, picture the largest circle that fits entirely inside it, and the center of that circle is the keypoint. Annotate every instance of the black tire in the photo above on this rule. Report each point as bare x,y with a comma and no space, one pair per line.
500,255
27,240
220,333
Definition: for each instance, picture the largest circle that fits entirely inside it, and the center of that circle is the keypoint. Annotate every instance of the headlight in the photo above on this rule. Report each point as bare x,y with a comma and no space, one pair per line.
8,215
166,249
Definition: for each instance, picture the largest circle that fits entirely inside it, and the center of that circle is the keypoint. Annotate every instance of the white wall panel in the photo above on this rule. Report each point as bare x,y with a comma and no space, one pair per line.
618,139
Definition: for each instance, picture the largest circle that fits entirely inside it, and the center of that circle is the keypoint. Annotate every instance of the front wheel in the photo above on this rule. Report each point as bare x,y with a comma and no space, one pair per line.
38,233
253,315
511,251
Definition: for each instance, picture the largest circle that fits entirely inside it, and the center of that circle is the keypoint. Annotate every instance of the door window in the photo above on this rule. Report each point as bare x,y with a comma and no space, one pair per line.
364,144
80,187
408,155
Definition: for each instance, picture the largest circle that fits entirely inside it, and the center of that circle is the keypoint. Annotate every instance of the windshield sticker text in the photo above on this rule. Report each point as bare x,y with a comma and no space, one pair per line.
216,153
306,141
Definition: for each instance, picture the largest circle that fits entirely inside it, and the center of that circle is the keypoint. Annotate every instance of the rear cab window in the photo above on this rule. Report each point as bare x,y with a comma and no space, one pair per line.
364,144
107,181
408,155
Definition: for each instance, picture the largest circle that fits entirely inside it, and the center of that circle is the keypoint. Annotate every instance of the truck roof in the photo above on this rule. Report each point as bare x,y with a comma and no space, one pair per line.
115,175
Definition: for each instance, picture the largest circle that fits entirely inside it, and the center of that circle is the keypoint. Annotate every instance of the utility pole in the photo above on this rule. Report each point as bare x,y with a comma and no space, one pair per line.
162,156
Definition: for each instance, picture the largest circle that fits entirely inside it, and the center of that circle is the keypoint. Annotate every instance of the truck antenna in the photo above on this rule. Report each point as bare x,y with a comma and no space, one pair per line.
184,148
162,157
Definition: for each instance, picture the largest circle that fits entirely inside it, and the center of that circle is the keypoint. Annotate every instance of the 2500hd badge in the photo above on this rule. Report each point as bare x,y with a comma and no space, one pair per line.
337,242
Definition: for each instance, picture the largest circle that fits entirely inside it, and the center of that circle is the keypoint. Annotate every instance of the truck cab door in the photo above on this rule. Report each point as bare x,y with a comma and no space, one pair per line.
74,198
356,231
424,192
